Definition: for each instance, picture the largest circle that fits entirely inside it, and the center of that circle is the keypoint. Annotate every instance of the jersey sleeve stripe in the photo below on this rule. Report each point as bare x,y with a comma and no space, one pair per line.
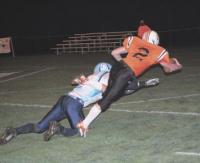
130,39
162,54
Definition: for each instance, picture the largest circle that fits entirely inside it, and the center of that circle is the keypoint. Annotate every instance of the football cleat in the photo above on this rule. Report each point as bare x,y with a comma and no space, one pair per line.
8,135
152,82
82,129
54,127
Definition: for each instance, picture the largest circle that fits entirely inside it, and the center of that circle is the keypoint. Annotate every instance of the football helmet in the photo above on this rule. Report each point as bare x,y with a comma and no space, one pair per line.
102,67
151,37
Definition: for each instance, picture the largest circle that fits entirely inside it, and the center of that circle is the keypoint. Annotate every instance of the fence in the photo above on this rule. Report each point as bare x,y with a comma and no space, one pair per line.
91,42
106,41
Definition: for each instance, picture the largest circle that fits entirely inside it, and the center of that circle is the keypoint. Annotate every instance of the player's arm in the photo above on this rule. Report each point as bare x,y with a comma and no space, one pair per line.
104,87
116,53
91,116
78,80
171,66
168,64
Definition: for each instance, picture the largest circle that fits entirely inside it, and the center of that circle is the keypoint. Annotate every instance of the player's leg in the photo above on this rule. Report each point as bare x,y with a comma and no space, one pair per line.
73,109
8,135
135,85
55,114
117,88
75,115
55,128
113,73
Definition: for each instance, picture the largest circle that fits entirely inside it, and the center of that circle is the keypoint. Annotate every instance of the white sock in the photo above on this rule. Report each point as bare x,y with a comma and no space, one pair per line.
94,112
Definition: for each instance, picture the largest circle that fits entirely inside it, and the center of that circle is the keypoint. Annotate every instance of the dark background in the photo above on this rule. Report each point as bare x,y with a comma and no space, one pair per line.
38,25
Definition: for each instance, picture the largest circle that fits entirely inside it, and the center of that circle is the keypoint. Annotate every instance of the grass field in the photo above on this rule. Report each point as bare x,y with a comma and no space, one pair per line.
154,125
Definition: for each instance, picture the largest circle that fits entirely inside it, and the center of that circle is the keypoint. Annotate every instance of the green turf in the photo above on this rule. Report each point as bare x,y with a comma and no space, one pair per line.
128,133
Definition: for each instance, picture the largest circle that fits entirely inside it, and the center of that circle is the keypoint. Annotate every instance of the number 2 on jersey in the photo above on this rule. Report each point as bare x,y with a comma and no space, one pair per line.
143,52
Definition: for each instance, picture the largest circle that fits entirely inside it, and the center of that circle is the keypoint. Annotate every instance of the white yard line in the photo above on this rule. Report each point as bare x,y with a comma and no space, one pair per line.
193,75
187,153
3,74
157,112
25,105
25,75
128,111
35,90
10,92
158,99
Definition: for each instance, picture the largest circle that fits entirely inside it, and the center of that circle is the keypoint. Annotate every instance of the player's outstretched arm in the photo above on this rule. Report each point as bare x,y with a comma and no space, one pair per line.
171,66
92,115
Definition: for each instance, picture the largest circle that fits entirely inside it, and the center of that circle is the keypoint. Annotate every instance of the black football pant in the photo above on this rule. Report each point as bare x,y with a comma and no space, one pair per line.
119,76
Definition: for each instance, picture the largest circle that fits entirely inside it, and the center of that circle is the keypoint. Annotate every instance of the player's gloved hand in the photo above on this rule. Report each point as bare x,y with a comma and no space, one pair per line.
78,80
75,81
82,129
175,61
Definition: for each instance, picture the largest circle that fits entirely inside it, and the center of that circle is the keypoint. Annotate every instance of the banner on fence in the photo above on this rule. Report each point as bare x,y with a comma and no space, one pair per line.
5,45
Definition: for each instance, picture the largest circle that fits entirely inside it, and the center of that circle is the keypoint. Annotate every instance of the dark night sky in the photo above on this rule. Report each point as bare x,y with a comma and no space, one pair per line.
34,19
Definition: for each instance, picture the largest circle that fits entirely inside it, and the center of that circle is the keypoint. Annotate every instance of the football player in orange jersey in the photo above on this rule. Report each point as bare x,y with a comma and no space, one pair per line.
142,54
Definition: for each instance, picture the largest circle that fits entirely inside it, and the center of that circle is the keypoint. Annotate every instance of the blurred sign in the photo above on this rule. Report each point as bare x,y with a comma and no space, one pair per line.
5,45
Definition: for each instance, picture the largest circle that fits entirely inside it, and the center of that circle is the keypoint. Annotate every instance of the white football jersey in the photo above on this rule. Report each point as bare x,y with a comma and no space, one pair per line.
91,90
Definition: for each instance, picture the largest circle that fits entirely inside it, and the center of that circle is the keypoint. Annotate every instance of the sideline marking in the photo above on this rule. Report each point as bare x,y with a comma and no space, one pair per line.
187,153
28,74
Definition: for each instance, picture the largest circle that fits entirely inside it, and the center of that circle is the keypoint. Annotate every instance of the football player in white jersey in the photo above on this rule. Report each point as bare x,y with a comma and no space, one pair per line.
68,106
89,90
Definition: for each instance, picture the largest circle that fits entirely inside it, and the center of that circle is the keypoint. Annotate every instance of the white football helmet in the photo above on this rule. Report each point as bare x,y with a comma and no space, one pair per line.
102,67
151,37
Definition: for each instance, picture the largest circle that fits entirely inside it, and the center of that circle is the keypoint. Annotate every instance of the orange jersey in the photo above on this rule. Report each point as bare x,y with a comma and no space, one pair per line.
142,55
142,29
